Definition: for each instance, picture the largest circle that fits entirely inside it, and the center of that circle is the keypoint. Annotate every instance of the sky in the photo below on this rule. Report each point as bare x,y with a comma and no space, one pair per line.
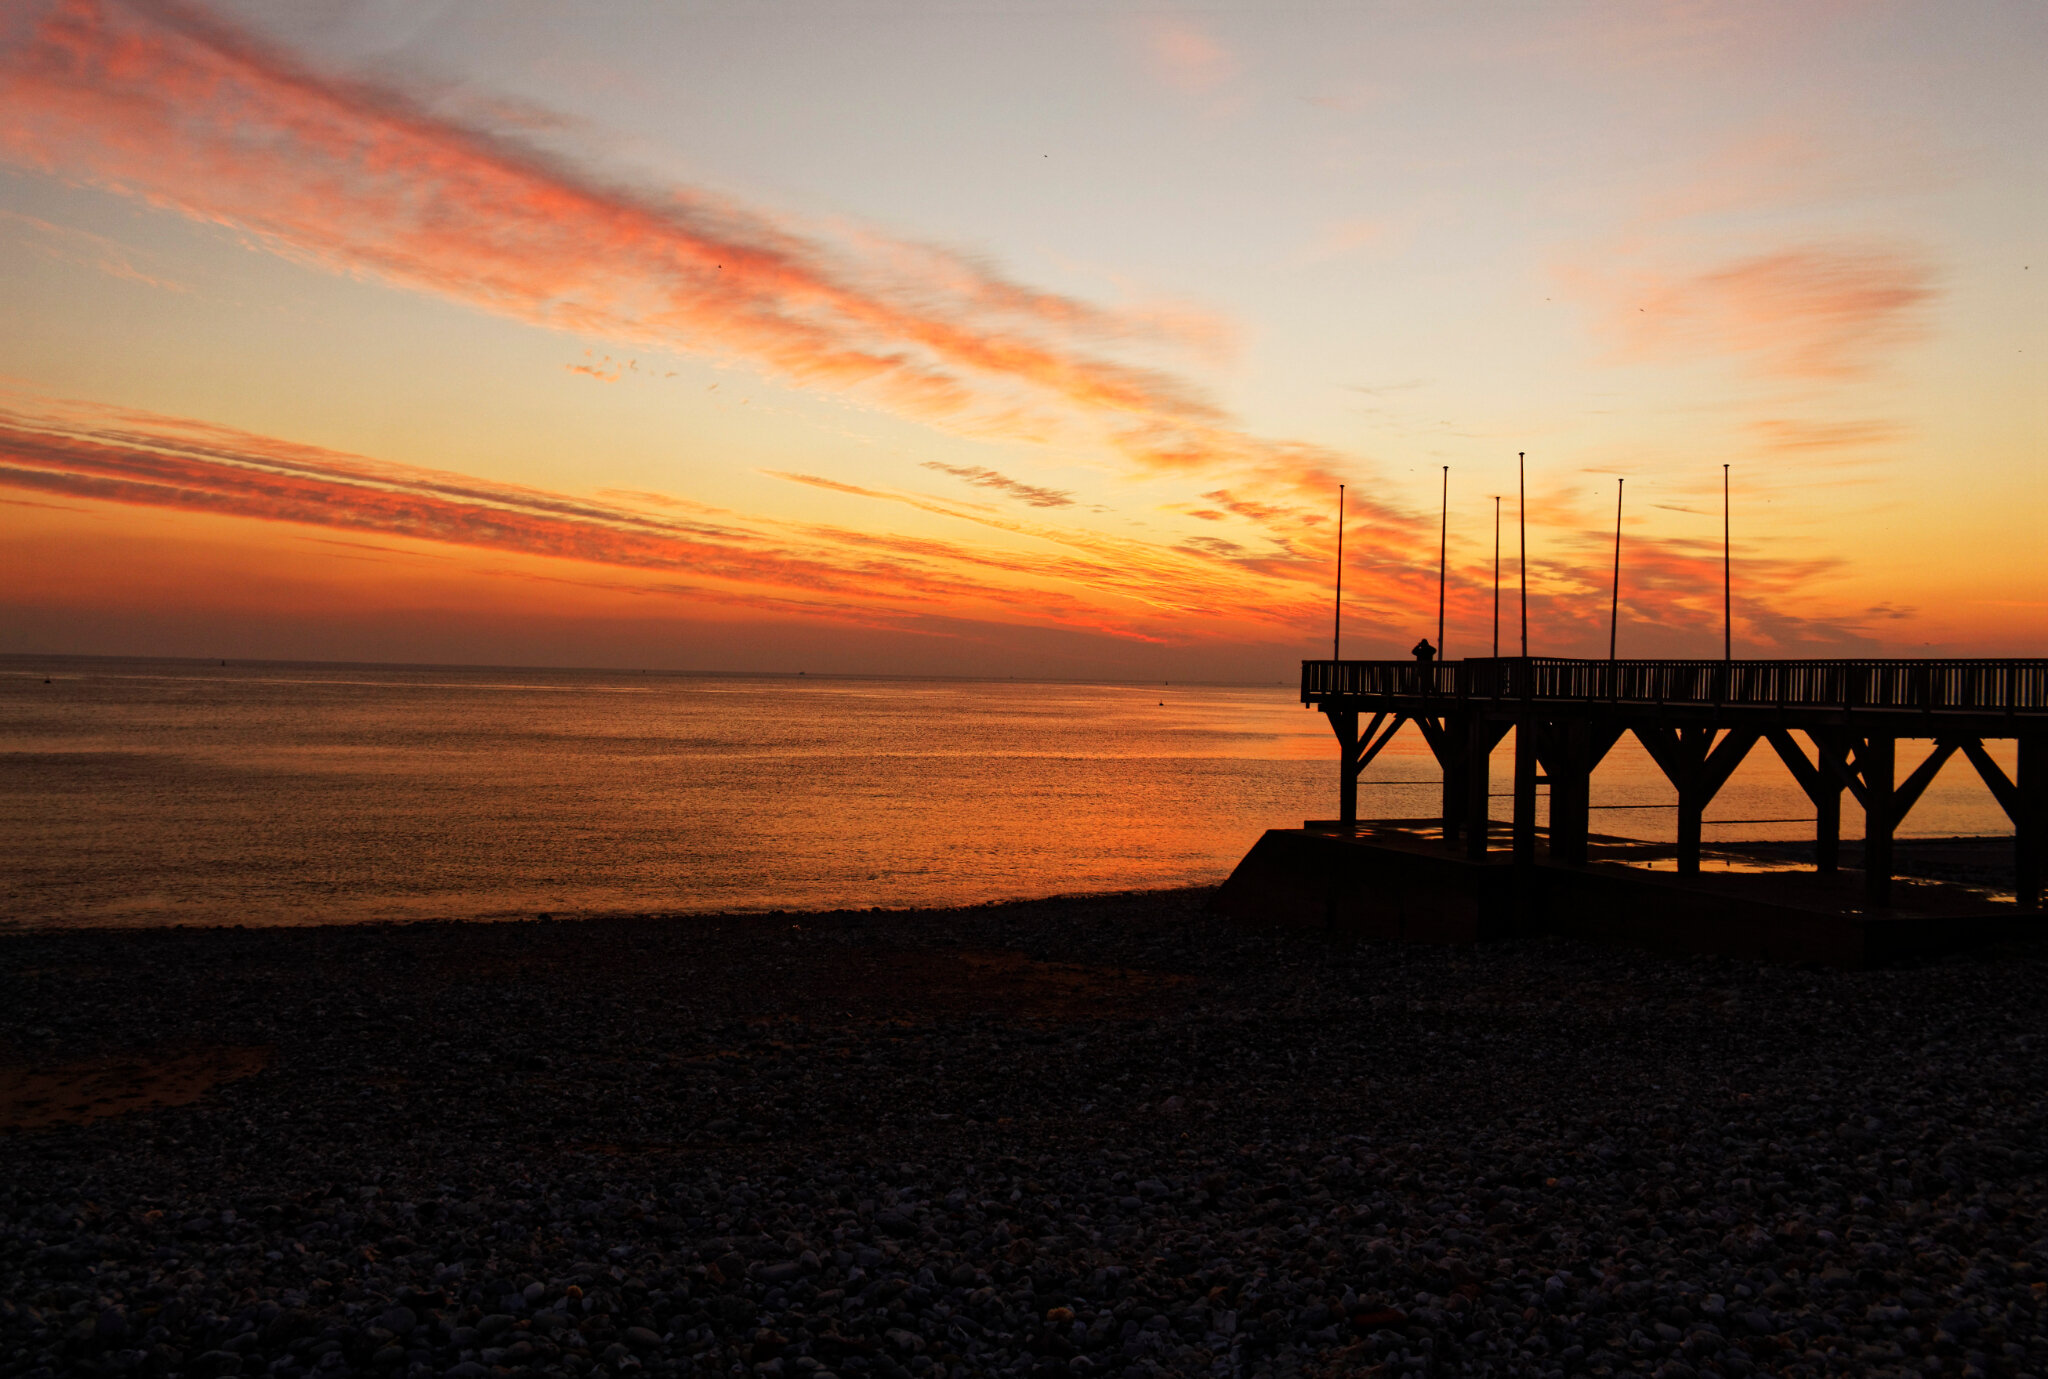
1018,339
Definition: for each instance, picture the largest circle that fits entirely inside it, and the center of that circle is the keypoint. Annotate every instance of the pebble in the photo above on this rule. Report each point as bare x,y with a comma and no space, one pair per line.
829,1145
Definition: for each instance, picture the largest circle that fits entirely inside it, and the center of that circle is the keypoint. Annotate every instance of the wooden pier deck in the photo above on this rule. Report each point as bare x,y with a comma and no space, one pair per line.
1698,720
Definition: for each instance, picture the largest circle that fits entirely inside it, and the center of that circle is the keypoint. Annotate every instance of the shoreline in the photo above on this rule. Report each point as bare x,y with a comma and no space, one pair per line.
32,659
1065,1136
1972,859
12,928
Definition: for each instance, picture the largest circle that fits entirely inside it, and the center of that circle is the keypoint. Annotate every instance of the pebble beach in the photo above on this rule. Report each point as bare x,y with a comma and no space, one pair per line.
1104,1135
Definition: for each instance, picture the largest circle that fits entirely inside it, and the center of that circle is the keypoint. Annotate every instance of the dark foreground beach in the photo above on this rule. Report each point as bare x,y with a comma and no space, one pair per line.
1066,1137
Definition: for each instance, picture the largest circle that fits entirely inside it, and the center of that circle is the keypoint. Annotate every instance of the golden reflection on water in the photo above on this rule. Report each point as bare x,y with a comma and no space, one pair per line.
150,792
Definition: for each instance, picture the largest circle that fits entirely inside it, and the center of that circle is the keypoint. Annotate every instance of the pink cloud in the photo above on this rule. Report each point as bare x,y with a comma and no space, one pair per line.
1810,312
1187,57
160,100
1341,238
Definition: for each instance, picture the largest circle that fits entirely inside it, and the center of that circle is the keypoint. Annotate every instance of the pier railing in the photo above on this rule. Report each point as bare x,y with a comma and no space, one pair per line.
1997,686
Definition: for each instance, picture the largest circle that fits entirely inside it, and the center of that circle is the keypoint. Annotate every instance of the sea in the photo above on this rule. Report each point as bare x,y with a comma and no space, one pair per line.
155,792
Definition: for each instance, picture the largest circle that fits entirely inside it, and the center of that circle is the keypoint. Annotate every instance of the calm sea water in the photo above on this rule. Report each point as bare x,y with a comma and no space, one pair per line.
151,792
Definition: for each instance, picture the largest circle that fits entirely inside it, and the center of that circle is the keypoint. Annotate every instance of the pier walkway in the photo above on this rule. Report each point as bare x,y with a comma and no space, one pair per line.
1698,720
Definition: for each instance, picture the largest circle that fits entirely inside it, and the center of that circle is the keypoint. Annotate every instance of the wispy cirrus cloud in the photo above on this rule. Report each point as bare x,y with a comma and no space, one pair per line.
1752,251
1061,577
1817,311
1671,584
1255,511
1853,438
1033,494
72,456
164,101
68,244
144,460
1752,262
1277,588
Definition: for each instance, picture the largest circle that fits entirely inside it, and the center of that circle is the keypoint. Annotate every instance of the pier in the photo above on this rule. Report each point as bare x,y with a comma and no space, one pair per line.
1698,720
1843,728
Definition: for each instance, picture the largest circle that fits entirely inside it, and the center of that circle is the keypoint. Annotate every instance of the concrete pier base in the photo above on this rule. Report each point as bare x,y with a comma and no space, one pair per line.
1393,880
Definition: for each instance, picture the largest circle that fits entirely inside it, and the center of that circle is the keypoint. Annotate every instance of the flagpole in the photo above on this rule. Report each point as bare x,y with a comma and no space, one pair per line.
1443,536
1727,587
1522,521
1614,606
1496,576
1337,614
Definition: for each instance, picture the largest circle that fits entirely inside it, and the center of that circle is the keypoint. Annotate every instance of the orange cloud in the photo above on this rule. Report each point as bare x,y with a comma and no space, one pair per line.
988,478
1811,437
159,100
1213,589
1819,311
1262,512
239,475
1057,578
1159,579
1670,587
1073,579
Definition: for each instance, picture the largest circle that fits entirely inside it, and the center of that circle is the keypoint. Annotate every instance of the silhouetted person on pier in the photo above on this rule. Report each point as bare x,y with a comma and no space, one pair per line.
1424,652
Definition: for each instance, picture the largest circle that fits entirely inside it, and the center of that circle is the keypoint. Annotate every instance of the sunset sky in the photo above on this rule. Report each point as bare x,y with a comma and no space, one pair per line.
1021,339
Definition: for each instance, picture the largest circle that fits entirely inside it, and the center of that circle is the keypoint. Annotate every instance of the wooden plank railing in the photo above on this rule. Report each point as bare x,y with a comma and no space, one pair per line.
1982,686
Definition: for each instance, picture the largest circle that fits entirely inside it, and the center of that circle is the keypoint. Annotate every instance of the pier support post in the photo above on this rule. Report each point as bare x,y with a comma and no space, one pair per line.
1344,722
2025,798
2030,822
1479,740
1525,793
1877,758
1697,768
1571,789
1822,780
1454,766
1446,738
1827,828
1823,785
1691,809
1690,757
